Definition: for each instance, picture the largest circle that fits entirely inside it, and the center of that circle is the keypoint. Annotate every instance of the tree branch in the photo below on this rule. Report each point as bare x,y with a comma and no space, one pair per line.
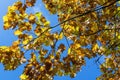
99,31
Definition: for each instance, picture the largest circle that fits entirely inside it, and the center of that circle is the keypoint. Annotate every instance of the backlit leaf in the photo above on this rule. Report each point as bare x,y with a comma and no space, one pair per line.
23,77
17,32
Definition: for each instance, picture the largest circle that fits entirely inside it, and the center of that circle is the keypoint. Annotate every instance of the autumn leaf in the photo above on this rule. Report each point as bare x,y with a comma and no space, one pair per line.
23,77
69,50
95,47
5,18
119,37
24,42
3,47
60,36
38,15
7,25
31,18
47,23
18,32
30,3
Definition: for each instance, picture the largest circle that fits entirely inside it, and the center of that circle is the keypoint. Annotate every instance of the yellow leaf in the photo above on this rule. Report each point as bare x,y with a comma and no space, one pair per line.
69,50
17,32
6,48
67,16
3,47
60,36
77,28
23,77
14,7
31,17
5,18
42,68
118,2
38,15
10,8
30,37
25,42
95,47
16,43
119,37
52,56
47,23
94,14
7,25
81,55
118,8
77,45
95,28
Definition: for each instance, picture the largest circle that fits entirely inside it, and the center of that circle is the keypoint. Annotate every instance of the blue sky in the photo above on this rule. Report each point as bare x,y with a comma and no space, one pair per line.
89,72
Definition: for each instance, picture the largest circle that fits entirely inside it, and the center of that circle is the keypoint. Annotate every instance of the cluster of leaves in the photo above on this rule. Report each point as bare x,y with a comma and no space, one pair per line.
84,22
91,23
11,56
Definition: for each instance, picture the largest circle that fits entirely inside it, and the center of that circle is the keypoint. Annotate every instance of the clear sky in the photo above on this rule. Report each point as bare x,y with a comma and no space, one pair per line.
89,72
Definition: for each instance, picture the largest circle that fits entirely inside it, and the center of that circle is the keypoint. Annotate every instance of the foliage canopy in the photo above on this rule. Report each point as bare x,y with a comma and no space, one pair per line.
93,23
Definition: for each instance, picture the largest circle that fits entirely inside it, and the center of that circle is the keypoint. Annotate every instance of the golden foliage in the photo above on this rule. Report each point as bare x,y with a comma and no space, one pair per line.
91,25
